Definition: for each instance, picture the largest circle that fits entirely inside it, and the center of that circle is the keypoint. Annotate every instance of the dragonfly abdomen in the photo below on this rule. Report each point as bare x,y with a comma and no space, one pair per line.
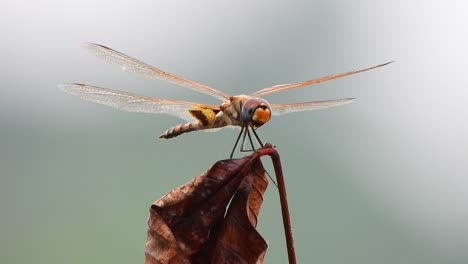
180,129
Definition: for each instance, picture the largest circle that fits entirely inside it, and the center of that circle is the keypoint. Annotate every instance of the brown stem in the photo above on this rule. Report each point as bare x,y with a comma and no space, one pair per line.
269,150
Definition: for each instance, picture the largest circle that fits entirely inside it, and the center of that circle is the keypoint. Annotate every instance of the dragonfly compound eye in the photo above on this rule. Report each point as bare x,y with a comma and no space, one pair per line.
256,112
261,115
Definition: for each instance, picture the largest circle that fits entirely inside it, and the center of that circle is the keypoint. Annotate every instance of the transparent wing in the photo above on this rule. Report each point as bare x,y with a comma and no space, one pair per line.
130,64
281,109
132,102
282,87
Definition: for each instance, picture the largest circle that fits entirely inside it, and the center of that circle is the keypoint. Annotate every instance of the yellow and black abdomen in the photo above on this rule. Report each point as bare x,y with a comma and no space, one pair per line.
180,129
205,119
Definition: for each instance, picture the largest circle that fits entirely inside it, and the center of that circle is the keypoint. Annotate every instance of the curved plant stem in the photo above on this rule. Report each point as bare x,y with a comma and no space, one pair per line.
270,151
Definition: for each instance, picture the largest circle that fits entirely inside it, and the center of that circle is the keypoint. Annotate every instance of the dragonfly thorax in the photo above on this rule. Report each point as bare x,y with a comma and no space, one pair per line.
255,112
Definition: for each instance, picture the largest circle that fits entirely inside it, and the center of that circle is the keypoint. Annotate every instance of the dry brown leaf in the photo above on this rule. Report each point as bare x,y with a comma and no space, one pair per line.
190,223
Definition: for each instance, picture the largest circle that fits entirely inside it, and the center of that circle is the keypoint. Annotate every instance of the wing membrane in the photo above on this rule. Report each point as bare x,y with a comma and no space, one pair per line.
281,109
130,64
282,87
132,102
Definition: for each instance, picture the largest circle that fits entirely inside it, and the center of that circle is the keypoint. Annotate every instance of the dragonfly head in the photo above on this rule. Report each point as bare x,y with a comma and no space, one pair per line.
255,112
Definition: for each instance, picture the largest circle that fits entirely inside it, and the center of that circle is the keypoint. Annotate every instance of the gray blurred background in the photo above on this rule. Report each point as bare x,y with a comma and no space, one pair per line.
382,180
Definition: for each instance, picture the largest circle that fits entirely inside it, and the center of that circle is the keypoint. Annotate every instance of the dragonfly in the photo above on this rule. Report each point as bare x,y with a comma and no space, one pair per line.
249,112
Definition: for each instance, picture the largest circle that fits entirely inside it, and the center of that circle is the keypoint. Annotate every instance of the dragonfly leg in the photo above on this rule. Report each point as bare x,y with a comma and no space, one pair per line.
237,141
258,138
243,139
250,140
246,133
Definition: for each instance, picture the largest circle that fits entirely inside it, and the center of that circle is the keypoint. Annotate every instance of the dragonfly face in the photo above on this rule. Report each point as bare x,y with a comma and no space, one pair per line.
245,111
255,112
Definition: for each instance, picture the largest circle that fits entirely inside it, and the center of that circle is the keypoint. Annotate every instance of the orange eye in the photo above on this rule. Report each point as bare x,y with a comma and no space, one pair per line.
261,116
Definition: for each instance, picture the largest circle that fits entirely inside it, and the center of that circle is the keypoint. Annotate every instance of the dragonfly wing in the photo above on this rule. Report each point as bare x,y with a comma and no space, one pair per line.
130,64
283,87
133,102
281,109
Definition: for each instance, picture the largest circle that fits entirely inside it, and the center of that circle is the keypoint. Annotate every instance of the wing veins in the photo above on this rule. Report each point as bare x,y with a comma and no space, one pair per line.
281,109
130,102
133,65
282,87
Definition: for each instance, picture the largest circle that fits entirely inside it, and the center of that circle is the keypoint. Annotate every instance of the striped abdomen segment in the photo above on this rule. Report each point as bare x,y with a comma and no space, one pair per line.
180,129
